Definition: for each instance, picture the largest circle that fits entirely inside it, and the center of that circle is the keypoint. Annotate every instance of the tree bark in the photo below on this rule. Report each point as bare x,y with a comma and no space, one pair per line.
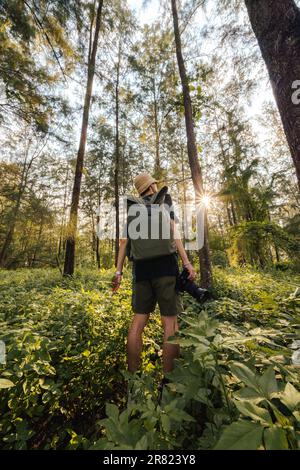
157,167
234,218
229,215
12,224
204,254
276,25
117,157
72,226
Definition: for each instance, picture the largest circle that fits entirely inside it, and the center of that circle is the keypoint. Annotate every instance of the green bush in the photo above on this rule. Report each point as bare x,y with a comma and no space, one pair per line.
65,341
64,385
220,258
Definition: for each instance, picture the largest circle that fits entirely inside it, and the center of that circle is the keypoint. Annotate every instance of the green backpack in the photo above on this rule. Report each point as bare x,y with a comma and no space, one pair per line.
155,237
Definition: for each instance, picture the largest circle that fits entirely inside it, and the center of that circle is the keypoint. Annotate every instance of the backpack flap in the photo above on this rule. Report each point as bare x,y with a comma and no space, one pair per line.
154,237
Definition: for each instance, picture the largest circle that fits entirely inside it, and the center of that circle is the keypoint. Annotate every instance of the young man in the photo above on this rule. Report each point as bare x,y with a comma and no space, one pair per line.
154,280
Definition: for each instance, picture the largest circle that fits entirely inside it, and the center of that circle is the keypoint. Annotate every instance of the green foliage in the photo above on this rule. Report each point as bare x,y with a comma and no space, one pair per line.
65,344
24,27
219,258
234,379
63,386
252,243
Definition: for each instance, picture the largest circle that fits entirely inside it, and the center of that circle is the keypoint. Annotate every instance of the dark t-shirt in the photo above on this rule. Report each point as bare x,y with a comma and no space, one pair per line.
167,265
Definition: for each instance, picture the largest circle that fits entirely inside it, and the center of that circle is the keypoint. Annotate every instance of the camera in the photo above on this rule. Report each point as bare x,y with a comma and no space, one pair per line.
186,285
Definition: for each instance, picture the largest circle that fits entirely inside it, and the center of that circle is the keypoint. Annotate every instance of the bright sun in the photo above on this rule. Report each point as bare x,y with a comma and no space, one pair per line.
206,200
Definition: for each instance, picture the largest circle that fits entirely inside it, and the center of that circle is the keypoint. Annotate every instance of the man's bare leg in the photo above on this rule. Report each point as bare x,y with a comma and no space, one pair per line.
170,351
135,341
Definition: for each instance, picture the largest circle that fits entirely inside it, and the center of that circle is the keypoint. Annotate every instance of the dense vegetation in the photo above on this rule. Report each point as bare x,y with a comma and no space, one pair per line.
134,118
64,385
92,92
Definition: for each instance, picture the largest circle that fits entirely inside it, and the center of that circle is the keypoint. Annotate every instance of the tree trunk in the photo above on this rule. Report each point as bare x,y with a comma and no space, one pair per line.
72,226
98,248
13,221
157,167
38,243
277,29
204,255
276,252
117,158
63,221
98,220
234,218
184,212
229,216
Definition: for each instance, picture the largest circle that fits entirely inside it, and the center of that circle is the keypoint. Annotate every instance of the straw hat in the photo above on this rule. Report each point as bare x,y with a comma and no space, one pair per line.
143,181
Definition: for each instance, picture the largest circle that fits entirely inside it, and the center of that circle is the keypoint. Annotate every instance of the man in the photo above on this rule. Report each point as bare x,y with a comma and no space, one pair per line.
154,280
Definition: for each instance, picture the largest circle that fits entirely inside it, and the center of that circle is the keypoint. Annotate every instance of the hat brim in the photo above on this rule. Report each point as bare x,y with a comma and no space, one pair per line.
146,185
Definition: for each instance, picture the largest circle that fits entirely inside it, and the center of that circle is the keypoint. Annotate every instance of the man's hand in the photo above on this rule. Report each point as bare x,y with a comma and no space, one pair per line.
191,270
116,281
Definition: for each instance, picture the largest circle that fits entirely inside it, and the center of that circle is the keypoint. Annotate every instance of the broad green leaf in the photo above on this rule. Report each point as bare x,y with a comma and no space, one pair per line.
249,394
290,397
165,421
268,382
142,444
199,350
255,412
5,383
241,435
200,338
180,415
112,411
275,439
246,375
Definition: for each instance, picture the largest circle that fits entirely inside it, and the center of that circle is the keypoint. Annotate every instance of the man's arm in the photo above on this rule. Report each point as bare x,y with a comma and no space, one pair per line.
182,253
116,281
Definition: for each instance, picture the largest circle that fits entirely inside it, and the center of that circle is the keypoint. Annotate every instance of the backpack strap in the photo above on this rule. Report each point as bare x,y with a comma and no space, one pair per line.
159,197
134,200
156,198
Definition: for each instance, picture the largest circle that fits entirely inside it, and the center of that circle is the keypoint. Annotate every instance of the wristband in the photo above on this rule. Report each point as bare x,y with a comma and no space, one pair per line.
119,273
187,264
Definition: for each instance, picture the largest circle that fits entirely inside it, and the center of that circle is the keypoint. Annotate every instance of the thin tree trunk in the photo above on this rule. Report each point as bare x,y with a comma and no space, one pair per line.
13,220
37,246
72,226
98,221
276,252
62,225
234,218
157,167
276,25
184,214
117,158
204,254
98,247
229,216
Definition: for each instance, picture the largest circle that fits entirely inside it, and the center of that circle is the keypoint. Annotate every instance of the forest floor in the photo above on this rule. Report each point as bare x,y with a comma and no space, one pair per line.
66,359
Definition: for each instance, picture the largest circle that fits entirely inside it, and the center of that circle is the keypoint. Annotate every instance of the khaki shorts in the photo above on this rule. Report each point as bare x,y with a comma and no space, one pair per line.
145,295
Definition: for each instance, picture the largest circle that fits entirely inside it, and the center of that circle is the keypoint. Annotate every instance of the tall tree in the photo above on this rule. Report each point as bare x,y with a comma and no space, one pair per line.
117,150
34,46
153,64
276,25
72,226
204,254
30,155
